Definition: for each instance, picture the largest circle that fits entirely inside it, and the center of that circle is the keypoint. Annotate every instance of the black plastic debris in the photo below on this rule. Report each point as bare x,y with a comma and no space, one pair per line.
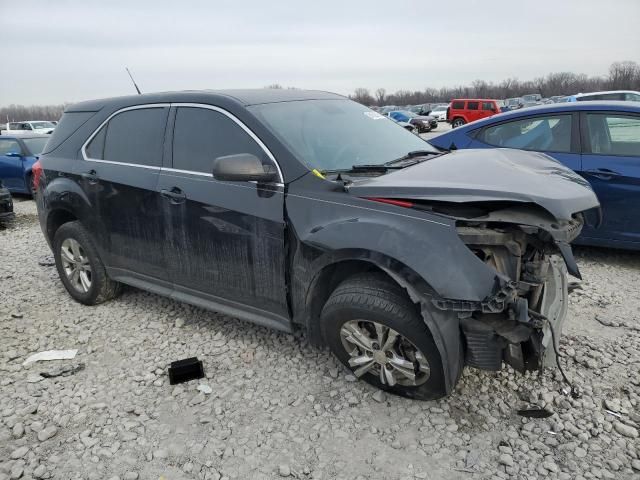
63,371
535,412
184,370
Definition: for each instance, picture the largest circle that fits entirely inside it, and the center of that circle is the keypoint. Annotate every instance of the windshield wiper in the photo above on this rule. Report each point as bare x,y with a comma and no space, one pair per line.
410,155
365,168
391,165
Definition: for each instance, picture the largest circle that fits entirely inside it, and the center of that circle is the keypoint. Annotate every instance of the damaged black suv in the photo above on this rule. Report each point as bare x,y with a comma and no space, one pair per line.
288,207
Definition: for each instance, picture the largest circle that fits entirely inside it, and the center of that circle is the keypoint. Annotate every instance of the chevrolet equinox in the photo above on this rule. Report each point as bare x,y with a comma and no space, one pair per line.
290,207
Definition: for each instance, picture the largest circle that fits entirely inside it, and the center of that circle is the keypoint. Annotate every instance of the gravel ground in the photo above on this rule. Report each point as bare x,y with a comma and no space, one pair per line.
271,406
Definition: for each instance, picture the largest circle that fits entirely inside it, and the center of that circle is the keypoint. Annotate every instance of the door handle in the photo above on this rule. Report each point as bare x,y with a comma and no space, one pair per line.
602,173
175,195
91,176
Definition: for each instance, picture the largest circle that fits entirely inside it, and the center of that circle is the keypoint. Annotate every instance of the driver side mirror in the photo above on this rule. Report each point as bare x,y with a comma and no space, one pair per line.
243,167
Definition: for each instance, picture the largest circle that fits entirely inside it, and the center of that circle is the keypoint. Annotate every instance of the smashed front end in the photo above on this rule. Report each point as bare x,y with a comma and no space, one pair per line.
530,252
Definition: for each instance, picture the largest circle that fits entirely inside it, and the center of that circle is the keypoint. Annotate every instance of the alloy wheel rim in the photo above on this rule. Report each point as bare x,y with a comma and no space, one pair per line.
376,349
75,264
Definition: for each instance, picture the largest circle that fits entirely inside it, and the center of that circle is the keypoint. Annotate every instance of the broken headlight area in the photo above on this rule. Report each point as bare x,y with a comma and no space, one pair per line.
531,287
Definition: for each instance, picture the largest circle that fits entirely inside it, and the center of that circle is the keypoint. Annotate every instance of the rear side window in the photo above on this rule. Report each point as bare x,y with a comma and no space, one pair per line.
69,123
134,136
611,134
632,97
95,148
457,105
200,135
544,134
472,105
488,106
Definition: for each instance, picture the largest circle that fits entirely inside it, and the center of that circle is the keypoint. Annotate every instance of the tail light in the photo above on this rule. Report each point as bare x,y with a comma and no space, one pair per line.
36,172
392,201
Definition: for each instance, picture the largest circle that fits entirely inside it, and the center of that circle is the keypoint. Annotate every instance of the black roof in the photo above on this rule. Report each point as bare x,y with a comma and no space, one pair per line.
243,97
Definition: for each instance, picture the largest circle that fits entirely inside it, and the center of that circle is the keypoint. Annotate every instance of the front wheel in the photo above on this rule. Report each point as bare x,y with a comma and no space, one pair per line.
82,272
373,328
457,122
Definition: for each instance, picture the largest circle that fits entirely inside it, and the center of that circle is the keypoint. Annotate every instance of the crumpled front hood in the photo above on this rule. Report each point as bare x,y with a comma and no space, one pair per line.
487,175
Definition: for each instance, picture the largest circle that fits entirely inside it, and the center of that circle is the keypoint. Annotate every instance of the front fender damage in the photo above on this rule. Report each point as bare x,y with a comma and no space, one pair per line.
531,256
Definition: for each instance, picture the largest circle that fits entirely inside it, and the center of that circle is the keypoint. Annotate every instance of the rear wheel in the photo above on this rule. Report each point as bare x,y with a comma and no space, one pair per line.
373,329
82,272
457,122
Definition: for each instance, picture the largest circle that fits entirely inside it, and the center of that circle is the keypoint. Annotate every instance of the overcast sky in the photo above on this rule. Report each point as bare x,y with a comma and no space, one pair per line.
70,50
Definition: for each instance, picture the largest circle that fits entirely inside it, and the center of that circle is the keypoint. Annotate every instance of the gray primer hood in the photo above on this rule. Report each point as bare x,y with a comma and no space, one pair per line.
487,175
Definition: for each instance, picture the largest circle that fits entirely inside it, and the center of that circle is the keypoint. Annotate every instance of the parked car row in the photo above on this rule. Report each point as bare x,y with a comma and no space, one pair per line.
422,123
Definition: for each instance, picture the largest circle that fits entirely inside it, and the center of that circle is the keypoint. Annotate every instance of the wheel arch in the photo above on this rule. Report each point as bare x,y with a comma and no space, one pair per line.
55,219
444,326
344,264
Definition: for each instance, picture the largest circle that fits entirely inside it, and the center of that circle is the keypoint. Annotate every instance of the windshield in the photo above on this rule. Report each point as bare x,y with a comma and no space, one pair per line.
441,108
35,145
39,125
337,134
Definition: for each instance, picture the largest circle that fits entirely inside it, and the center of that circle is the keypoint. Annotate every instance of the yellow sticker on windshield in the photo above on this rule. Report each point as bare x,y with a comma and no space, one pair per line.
317,173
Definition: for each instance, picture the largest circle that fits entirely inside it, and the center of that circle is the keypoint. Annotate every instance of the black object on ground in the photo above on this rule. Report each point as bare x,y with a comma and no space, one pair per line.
535,412
184,370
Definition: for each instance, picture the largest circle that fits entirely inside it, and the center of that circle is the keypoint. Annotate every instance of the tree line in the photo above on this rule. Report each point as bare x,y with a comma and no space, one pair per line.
17,113
621,76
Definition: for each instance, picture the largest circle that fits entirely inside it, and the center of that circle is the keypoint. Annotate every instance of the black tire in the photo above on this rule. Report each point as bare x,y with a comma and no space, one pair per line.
102,288
457,122
374,297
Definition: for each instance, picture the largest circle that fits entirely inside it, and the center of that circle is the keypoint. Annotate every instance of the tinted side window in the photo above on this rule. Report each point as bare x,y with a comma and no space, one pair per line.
95,148
136,136
487,106
201,135
457,105
611,134
472,105
9,146
547,134
612,96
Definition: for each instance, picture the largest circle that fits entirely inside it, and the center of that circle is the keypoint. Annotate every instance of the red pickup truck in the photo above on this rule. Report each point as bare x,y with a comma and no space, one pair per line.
463,110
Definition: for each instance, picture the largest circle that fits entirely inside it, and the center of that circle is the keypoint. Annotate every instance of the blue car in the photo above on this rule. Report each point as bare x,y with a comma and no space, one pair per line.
598,140
17,156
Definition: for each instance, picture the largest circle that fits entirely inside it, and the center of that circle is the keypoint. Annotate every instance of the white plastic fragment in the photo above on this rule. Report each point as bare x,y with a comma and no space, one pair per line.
51,355
206,389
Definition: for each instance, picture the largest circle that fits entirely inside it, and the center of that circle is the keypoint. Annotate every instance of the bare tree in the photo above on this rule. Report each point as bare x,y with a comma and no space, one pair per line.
381,95
362,95
624,75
